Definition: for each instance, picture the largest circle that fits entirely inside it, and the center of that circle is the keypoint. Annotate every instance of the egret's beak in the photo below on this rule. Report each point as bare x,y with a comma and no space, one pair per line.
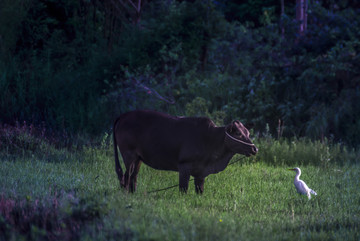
291,169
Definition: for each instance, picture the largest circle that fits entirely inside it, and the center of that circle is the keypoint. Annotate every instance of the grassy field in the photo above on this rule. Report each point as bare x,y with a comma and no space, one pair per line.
51,193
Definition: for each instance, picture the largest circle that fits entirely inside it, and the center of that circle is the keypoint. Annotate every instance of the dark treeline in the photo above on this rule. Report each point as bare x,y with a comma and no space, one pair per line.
77,64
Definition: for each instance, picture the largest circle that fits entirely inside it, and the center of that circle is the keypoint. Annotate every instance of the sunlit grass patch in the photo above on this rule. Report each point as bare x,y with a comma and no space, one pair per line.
251,199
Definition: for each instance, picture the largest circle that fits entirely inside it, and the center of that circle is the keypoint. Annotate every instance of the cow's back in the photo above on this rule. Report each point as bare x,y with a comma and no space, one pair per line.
139,123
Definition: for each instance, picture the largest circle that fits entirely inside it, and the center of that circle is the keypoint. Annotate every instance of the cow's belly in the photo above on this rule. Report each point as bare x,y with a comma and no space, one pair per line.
160,159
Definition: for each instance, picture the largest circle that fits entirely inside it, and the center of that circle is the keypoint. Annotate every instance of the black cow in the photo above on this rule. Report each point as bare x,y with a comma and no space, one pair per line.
191,146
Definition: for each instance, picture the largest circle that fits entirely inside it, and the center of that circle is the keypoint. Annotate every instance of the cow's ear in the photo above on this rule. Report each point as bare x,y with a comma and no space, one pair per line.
229,128
232,127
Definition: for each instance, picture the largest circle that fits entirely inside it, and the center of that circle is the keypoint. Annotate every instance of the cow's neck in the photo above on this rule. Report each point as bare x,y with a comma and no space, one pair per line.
221,155
218,137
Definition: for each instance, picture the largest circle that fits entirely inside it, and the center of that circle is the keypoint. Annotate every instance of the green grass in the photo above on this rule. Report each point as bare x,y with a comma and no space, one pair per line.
77,196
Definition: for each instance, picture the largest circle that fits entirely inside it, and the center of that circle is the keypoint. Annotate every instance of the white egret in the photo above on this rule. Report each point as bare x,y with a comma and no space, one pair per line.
300,185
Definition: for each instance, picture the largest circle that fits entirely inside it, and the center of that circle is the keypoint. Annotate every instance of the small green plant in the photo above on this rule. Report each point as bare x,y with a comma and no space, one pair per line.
198,107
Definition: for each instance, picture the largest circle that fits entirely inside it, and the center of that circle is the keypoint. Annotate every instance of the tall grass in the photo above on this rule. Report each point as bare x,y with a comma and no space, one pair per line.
304,151
74,194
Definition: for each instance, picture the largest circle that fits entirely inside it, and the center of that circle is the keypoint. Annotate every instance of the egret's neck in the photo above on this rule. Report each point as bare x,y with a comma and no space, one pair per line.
297,176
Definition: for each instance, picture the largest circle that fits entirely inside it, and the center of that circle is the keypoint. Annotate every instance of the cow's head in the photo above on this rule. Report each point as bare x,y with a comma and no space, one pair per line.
237,139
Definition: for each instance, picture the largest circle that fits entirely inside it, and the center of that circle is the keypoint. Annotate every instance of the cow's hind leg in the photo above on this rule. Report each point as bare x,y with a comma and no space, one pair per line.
130,159
134,174
199,184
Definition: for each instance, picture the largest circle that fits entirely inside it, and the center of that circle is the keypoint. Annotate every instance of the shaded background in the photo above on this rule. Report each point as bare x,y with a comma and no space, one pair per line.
75,65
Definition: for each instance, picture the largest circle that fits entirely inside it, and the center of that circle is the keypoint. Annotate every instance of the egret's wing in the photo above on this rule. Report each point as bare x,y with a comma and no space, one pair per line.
301,187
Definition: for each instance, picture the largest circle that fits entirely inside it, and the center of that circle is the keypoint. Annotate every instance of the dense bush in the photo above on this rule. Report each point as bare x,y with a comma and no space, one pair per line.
57,217
76,65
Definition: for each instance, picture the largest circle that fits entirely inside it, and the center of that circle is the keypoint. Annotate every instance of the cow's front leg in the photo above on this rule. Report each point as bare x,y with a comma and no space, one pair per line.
199,185
184,177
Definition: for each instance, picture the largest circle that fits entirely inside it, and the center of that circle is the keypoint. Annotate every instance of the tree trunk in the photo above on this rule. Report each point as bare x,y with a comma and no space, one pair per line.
301,15
281,18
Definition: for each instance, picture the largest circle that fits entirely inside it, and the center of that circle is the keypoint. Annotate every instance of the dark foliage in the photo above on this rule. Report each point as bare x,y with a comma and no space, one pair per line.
76,65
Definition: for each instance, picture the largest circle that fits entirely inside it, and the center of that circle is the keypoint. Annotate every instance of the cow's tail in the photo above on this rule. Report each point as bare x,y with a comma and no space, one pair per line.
118,169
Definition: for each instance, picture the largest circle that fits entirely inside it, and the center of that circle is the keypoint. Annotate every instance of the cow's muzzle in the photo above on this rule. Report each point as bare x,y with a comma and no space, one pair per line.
254,150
